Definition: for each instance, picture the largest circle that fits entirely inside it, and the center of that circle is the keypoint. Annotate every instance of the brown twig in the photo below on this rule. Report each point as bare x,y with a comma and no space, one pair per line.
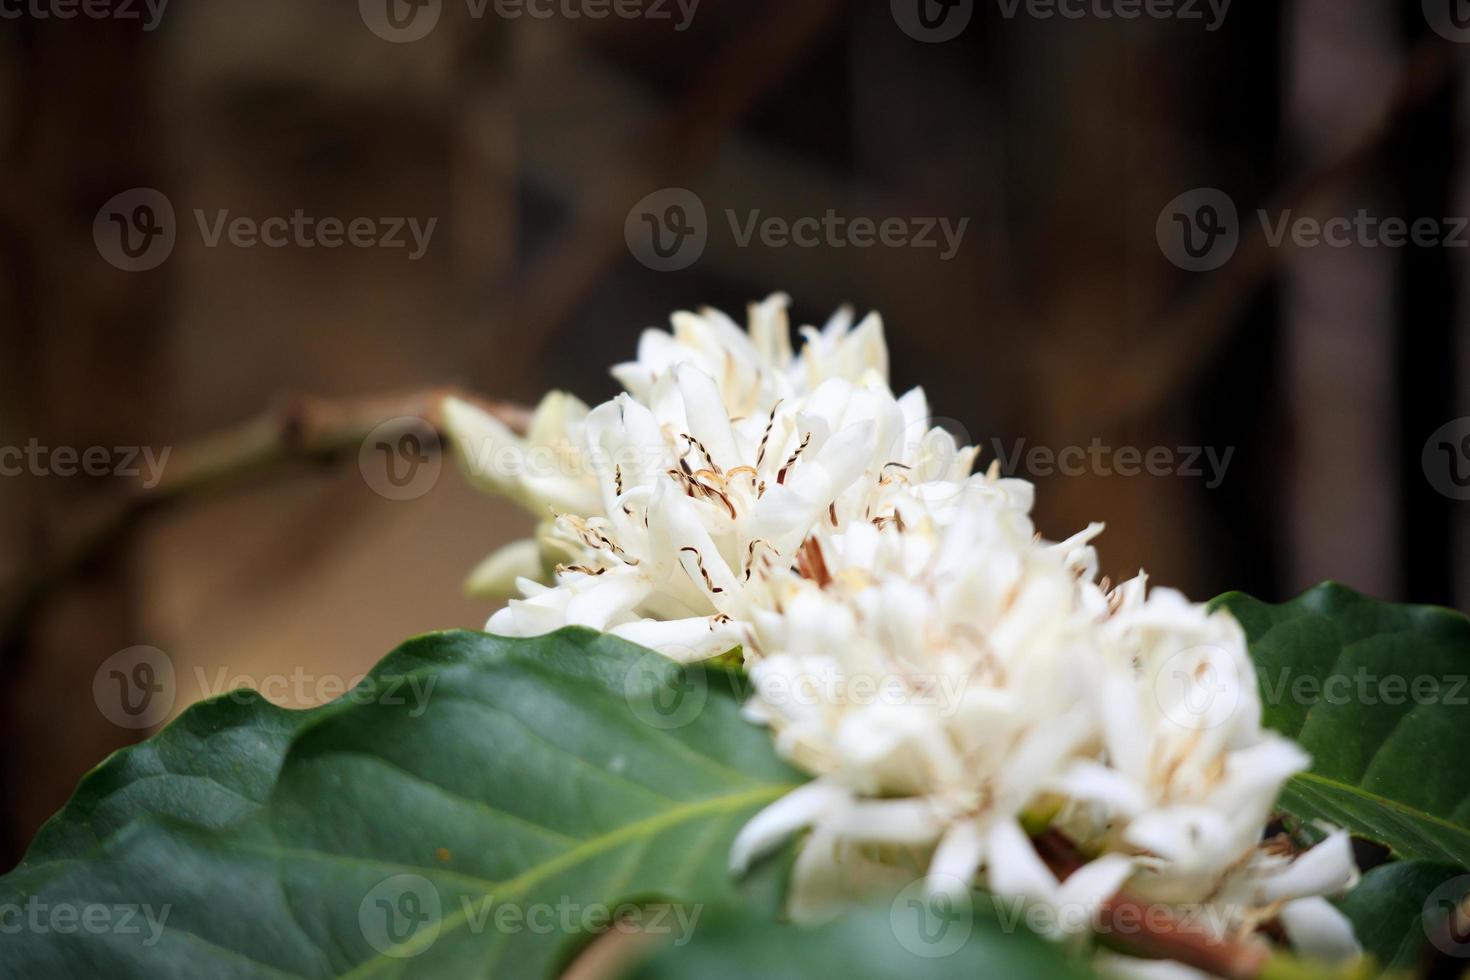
1147,929
299,434
1142,928
610,955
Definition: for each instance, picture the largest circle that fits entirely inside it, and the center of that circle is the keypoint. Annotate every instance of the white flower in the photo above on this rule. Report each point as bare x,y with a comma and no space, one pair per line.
666,508
940,588
955,684
1129,720
1078,704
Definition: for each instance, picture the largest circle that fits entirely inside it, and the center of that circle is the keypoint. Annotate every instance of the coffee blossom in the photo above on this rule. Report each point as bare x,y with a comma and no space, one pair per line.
974,704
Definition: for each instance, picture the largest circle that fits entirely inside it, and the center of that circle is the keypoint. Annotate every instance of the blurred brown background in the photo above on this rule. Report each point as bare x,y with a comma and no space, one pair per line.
1059,321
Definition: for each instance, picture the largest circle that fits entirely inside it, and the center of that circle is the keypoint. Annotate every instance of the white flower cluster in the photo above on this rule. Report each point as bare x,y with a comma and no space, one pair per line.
956,684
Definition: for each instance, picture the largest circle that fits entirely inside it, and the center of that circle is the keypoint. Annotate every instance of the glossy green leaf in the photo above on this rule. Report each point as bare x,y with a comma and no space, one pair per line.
482,826
1378,694
879,943
1399,912
217,764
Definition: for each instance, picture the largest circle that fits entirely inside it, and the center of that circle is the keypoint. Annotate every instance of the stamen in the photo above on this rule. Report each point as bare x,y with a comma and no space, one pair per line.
761,453
708,582
781,474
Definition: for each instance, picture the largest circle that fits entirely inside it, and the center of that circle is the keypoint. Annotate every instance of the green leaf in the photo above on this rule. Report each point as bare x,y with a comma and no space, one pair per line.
1378,694
215,765
1396,907
876,943
481,823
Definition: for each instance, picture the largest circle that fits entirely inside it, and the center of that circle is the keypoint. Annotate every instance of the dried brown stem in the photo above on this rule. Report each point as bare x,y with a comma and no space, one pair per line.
297,435
1148,929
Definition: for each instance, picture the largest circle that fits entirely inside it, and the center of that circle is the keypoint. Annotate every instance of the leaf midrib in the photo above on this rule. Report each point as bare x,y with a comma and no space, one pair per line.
1383,801
591,847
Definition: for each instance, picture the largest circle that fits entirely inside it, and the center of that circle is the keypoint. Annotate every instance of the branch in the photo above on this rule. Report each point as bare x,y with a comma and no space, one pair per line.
1142,928
298,435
